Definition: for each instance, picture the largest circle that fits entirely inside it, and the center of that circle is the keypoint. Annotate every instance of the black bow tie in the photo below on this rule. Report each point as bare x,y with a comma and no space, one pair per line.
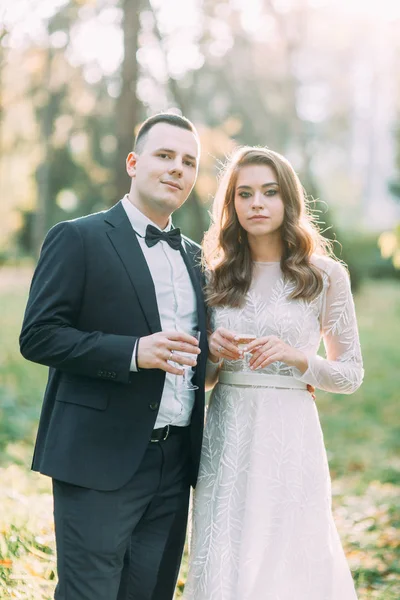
154,235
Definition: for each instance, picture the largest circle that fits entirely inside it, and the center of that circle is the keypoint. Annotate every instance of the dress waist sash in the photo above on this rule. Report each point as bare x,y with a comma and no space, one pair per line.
260,380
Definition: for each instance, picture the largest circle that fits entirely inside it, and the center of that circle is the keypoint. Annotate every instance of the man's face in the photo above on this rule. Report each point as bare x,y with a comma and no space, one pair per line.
163,171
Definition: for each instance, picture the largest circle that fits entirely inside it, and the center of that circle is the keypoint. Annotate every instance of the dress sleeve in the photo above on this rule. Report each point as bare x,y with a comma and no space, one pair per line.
342,369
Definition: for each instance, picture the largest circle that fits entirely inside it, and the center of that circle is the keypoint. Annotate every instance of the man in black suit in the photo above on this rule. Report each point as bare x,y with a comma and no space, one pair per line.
114,301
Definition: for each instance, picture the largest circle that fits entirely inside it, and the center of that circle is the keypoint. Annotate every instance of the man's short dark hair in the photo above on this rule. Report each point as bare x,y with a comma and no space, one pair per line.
170,119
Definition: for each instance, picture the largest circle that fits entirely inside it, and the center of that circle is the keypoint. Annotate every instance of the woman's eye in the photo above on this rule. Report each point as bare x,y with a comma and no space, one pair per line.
163,155
271,192
244,194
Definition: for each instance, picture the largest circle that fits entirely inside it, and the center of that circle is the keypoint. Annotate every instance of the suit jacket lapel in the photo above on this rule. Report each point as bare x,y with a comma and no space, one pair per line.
127,246
194,273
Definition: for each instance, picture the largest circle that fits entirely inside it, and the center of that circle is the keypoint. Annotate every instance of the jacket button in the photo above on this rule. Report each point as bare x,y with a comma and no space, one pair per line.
100,373
153,405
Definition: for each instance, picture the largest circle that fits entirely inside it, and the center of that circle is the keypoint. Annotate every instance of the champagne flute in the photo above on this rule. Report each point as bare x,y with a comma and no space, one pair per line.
242,340
188,371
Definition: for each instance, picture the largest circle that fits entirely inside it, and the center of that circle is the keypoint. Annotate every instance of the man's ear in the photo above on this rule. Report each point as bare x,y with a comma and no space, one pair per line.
131,161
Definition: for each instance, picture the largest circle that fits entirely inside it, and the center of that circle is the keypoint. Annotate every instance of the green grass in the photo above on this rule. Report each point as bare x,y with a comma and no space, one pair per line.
21,383
362,436
362,431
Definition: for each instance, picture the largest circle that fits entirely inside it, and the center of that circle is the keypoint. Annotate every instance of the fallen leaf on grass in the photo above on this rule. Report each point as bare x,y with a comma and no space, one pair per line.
6,563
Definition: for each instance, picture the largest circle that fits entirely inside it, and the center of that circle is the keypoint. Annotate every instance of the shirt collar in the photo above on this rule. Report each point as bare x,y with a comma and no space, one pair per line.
138,220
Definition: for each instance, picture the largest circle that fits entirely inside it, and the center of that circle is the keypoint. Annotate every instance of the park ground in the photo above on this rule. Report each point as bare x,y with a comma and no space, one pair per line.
362,437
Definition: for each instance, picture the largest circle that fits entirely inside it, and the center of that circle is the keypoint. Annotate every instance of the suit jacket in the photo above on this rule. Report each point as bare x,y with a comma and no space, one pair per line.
91,297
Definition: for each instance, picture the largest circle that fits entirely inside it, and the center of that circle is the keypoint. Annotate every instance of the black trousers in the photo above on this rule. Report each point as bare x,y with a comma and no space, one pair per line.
125,544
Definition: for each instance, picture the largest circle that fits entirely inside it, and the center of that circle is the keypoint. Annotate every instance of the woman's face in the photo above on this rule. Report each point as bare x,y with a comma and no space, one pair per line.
258,201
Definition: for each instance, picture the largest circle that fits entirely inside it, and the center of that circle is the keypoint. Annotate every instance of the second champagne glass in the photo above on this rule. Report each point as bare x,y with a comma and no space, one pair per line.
188,371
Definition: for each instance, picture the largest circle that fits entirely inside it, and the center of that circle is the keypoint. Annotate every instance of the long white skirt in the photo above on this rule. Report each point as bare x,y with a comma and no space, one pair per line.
262,520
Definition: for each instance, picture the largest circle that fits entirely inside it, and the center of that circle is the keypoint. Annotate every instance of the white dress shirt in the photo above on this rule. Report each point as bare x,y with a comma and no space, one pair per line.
176,301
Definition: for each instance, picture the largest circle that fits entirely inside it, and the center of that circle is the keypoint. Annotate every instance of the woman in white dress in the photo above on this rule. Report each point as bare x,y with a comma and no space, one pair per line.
262,521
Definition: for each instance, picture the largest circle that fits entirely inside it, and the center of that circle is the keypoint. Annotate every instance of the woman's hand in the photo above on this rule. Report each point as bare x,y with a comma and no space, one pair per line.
269,349
222,344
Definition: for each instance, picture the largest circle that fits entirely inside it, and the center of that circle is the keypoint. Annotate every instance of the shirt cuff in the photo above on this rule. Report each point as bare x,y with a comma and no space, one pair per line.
134,366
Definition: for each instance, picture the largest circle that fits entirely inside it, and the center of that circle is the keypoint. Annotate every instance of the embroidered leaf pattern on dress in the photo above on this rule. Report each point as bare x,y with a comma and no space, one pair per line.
262,521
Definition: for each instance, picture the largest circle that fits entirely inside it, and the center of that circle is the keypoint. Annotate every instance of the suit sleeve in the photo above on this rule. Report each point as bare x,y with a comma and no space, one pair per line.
49,335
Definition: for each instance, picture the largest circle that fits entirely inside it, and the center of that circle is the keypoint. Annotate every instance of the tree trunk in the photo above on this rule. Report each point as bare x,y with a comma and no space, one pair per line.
127,112
41,222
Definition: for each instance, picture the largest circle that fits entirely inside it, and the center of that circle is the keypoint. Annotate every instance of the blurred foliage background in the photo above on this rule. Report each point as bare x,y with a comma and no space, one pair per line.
317,80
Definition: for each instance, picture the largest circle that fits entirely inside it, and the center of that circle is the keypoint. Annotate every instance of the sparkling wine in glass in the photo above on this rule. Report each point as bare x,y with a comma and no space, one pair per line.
188,371
242,340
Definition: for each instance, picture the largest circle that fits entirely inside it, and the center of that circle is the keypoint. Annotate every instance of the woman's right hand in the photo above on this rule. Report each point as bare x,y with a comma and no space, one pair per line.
222,343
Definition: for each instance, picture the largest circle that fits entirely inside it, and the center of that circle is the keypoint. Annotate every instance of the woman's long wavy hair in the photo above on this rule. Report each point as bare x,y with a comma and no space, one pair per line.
226,252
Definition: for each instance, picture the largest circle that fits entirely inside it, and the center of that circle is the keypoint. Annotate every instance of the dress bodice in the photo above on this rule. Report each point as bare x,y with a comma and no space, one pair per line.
269,310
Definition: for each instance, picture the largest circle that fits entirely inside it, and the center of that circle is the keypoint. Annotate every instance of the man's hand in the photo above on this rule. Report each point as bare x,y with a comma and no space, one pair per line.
311,389
156,350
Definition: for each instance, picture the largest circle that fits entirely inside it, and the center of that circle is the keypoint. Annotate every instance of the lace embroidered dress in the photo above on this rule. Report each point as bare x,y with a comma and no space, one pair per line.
262,521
